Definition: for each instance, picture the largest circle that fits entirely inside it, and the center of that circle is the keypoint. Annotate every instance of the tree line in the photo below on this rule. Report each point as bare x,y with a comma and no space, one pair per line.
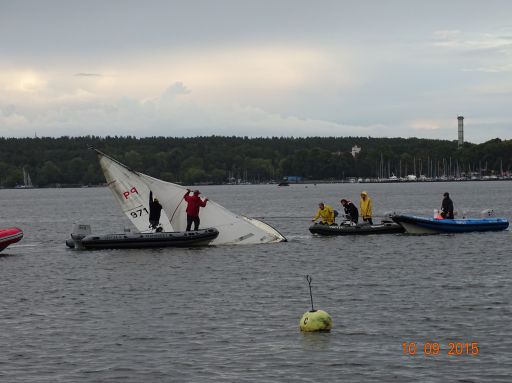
67,161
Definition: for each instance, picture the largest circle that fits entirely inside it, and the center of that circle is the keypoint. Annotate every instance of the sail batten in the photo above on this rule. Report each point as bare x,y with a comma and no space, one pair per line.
131,189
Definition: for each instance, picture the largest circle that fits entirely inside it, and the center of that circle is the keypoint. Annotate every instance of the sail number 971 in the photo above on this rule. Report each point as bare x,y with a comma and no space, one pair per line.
139,213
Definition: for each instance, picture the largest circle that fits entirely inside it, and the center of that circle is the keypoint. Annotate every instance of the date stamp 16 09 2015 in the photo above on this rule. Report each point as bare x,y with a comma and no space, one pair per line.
435,348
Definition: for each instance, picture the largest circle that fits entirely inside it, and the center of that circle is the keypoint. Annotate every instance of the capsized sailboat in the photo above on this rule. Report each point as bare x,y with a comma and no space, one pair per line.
131,190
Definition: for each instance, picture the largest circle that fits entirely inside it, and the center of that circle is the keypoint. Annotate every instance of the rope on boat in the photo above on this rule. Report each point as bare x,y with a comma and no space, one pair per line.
172,216
301,217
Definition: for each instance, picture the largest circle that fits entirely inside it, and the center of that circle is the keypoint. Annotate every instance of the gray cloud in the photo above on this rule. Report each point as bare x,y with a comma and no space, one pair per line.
256,68
176,89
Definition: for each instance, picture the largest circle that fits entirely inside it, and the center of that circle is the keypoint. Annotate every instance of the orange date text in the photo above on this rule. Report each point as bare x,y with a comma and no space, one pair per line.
435,348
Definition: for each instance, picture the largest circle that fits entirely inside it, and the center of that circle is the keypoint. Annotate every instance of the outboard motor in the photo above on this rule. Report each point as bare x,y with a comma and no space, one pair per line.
80,231
488,213
388,217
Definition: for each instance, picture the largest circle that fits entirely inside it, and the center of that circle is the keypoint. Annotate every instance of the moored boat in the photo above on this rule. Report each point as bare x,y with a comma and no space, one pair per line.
131,240
385,227
9,236
426,225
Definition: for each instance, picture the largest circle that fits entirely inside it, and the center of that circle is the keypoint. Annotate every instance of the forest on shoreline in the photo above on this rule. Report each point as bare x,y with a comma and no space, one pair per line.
67,161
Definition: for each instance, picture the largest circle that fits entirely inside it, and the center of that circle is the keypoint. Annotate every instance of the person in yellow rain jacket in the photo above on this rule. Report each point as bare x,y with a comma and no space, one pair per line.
326,213
365,208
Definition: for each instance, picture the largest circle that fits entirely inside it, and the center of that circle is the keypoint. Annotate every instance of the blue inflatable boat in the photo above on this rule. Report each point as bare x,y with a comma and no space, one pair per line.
425,225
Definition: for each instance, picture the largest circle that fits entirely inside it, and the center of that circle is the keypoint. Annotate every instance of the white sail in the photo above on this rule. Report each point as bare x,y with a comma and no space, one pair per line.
233,229
27,181
131,193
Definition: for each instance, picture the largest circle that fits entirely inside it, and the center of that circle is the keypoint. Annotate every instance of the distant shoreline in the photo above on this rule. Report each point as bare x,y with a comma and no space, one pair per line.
388,181
304,182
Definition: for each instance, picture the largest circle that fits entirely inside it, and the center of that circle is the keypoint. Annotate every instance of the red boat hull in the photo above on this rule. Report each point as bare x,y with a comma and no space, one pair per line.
9,236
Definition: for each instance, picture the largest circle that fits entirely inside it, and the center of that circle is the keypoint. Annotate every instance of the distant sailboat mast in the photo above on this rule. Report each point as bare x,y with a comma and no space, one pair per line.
27,181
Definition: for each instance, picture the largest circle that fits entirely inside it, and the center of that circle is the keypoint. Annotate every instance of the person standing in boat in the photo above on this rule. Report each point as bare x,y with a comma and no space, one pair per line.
447,207
326,213
365,206
194,203
155,209
350,210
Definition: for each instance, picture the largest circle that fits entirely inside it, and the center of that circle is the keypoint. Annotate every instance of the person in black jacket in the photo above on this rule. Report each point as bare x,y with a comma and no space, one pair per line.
350,210
155,209
447,207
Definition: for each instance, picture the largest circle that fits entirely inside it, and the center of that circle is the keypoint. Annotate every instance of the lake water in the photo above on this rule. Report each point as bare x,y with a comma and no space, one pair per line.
231,313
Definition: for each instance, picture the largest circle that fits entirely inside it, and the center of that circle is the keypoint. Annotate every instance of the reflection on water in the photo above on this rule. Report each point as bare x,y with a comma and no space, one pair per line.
314,341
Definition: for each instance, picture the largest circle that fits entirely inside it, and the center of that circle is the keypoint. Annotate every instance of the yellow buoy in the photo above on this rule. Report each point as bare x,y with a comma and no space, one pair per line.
314,320
317,320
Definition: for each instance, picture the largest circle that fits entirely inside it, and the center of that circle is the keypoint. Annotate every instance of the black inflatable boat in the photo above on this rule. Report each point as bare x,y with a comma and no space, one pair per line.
143,240
345,228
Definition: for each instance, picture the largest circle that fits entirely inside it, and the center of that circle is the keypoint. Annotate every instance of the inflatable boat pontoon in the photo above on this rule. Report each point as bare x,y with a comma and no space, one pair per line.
386,227
425,225
9,236
130,240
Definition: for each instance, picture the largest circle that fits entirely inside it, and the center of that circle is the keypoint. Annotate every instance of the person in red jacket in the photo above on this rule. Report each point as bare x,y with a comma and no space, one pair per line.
193,205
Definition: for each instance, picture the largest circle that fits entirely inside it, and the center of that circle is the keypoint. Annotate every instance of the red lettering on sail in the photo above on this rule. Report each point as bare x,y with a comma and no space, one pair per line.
133,190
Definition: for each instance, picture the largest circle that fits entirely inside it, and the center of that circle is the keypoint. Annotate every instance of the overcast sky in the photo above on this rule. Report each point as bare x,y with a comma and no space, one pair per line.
400,68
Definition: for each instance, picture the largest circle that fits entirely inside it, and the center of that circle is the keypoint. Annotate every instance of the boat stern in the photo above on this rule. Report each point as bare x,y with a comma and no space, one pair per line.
80,231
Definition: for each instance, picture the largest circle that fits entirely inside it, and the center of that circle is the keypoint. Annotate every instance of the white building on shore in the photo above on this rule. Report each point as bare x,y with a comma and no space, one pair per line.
355,150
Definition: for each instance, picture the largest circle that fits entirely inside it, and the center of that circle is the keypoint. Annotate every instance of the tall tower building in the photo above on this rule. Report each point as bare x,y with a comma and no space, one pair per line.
460,119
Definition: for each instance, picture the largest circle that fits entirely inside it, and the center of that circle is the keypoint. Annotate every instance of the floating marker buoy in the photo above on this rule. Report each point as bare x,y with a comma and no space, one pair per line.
315,320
